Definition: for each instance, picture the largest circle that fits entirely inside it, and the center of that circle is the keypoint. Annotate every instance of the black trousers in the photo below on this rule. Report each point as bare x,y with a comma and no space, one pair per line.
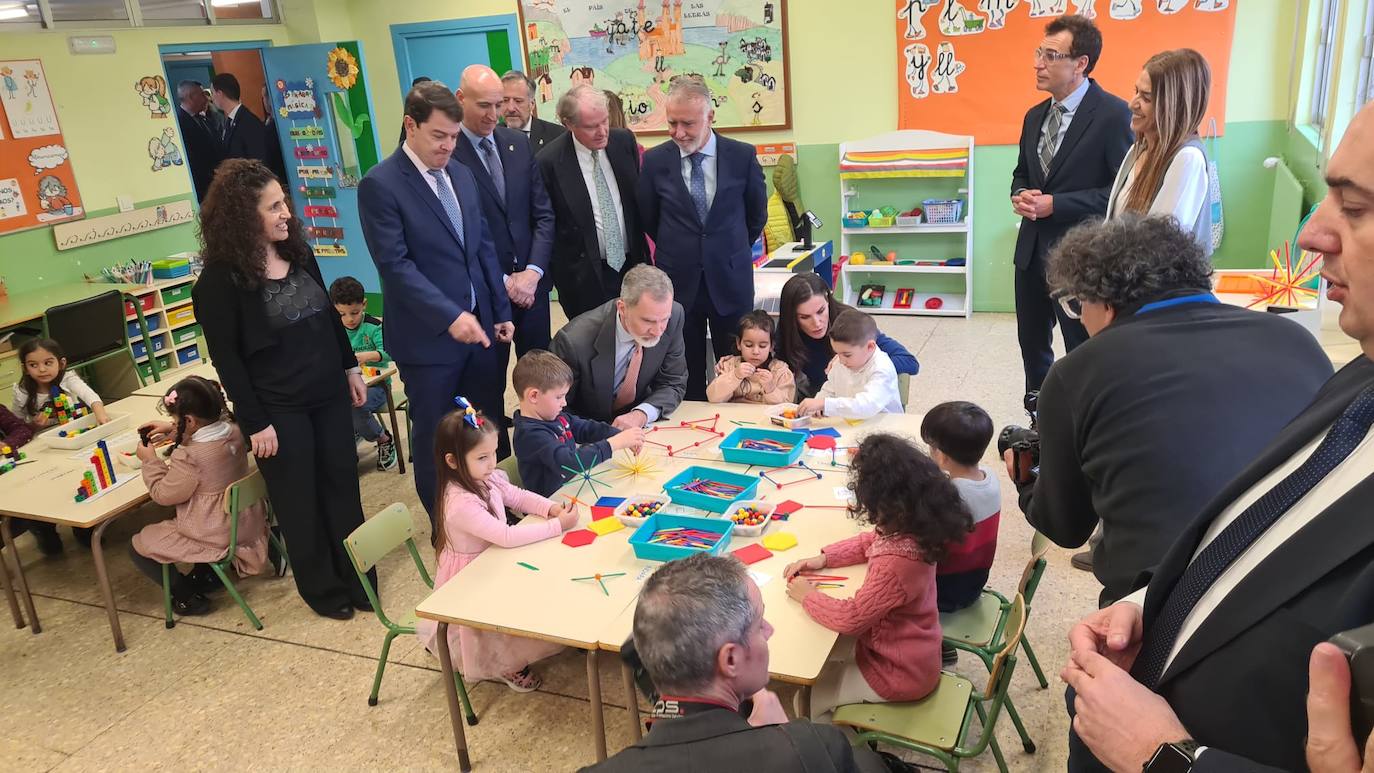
1036,315
313,483
591,294
531,331
181,584
700,357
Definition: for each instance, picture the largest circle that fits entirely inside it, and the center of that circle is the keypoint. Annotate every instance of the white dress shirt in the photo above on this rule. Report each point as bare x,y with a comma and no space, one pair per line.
434,186
708,169
1070,103
476,140
1182,194
584,161
862,393
624,350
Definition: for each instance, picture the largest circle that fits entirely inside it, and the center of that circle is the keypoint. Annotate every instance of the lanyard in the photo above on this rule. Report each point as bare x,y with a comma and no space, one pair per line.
1164,304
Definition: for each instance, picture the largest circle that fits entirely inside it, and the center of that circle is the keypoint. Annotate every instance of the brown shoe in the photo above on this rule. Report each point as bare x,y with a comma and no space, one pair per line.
1082,560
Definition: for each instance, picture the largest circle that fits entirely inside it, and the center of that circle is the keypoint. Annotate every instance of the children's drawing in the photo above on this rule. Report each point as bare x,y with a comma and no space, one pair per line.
947,69
28,105
719,61
152,89
1171,6
1212,5
1125,9
163,150
1040,8
47,157
997,11
917,69
912,11
31,84
11,199
1085,8
54,200
11,85
955,19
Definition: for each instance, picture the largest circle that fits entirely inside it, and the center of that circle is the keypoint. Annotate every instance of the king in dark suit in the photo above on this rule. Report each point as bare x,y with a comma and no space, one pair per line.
704,203
514,203
1071,148
442,288
590,174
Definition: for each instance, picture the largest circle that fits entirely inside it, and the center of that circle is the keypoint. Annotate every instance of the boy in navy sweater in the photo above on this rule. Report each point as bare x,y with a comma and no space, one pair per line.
548,440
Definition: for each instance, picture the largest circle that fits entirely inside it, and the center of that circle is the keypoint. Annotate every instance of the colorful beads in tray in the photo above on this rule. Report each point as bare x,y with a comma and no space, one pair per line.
643,509
750,516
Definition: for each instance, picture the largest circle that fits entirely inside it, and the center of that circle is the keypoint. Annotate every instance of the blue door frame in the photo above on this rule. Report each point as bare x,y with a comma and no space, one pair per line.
402,34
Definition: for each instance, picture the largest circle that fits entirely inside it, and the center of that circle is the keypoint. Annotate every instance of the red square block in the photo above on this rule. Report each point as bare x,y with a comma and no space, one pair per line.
750,554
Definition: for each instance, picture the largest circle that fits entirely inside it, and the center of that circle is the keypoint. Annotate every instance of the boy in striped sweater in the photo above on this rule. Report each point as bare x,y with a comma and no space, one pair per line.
958,433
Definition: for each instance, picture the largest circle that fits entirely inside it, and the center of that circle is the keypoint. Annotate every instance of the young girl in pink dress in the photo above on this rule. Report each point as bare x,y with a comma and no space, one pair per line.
889,647
474,495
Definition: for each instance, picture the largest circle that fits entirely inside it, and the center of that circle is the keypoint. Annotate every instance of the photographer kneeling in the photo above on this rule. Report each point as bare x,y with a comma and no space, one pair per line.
1172,395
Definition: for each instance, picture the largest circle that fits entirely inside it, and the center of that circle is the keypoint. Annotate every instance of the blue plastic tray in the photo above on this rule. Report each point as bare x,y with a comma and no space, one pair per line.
648,552
730,447
712,504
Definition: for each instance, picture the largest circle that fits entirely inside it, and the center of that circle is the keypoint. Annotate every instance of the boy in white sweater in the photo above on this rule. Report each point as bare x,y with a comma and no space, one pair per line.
861,382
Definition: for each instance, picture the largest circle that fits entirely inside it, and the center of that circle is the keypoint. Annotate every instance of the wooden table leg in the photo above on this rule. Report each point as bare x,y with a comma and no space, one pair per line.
103,580
455,709
395,428
8,540
7,585
632,699
594,696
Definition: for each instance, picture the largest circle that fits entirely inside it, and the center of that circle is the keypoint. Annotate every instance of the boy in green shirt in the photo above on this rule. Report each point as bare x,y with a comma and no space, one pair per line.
346,293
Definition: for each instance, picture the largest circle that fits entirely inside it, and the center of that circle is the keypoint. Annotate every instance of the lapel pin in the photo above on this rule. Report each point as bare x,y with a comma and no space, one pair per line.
511,148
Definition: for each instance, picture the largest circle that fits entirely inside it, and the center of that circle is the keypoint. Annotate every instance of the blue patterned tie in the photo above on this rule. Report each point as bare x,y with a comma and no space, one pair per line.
699,185
494,168
455,216
1343,437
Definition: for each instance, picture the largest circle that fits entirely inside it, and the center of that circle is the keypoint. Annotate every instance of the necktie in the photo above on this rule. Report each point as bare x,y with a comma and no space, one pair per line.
455,216
1343,437
494,168
1049,142
698,185
626,393
611,238
200,119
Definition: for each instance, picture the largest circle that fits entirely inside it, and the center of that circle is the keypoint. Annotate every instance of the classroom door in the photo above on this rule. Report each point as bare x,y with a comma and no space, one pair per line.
322,114
440,50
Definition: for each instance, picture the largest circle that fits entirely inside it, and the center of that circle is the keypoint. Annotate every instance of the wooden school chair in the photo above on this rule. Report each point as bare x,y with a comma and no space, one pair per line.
369,544
939,724
239,496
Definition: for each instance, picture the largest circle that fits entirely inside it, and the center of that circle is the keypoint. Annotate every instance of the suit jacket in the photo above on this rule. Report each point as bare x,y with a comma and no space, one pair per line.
587,344
245,136
1081,174
521,224
1316,584
426,273
725,741
543,132
722,247
577,247
203,151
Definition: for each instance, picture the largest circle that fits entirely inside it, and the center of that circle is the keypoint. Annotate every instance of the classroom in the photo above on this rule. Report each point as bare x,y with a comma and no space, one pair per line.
761,385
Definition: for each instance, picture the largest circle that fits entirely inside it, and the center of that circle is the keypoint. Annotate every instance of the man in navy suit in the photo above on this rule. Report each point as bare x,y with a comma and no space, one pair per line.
1071,148
442,289
514,203
244,135
703,201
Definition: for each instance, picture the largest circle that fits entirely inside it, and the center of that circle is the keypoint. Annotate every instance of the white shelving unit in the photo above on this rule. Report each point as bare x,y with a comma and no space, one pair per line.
852,194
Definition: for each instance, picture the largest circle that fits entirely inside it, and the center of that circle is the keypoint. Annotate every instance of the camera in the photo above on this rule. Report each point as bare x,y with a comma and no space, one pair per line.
1358,646
1023,442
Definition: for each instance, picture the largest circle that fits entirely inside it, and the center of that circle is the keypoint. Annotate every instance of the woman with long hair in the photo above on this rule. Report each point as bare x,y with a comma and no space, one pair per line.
1165,171
285,362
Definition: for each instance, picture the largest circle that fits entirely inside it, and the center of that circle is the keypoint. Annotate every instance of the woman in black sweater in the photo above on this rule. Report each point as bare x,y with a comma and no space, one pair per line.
286,364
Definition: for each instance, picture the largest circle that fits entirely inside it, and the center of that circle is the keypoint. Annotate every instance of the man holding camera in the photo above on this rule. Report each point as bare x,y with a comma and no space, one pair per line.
1220,663
1169,398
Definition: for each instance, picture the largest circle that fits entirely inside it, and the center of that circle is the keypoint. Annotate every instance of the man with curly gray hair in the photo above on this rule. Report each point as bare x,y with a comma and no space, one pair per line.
1169,398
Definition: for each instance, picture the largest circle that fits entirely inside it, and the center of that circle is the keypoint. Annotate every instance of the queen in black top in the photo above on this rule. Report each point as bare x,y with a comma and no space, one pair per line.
807,307
285,362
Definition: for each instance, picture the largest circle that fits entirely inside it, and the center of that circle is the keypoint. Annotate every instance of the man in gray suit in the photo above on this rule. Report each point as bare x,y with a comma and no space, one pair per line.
626,355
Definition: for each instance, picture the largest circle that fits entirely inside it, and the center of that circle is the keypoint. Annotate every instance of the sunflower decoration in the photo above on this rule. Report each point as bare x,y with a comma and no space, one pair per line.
343,68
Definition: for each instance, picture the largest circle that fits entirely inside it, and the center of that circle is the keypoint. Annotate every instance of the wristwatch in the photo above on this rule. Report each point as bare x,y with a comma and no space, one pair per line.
1177,757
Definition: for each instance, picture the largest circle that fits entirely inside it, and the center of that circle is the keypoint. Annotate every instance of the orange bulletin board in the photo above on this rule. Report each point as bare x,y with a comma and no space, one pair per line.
37,186
967,66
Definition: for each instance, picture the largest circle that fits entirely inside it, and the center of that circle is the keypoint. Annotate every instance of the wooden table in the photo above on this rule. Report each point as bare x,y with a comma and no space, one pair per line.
28,306
42,490
577,614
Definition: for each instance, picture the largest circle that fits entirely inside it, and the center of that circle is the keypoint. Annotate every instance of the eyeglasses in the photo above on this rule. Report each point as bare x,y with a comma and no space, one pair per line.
1050,56
1073,308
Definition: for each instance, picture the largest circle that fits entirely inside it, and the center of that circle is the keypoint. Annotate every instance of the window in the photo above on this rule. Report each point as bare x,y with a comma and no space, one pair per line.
156,11
1326,56
1365,89
14,13
89,10
256,10
68,14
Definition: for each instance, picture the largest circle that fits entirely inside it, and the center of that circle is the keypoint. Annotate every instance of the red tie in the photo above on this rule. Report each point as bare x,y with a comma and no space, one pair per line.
626,393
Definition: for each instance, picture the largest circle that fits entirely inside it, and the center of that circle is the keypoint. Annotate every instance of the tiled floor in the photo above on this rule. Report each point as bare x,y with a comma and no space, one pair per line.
212,694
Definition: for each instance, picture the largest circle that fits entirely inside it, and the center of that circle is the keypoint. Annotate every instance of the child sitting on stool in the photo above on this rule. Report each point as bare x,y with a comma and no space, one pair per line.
862,382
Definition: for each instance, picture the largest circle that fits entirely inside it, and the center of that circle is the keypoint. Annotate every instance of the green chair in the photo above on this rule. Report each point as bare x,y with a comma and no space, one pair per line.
904,388
939,724
512,469
976,627
241,495
367,545
94,329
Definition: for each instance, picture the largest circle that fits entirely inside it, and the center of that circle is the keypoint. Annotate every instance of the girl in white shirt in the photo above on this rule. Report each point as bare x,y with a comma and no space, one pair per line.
45,377
1165,171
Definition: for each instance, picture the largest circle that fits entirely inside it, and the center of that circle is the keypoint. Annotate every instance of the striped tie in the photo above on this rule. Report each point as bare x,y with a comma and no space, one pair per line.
1049,141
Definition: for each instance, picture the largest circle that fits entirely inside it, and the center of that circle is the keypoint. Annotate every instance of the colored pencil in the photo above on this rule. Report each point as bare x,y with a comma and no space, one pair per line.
814,576
528,566
829,585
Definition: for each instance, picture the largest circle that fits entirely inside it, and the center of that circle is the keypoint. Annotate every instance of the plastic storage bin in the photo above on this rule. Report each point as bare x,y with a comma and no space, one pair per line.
730,447
189,354
176,294
153,324
647,551
621,510
856,220
146,301
94,431
763,505
181,315
750,484
881,221
775,416
185,334
943,211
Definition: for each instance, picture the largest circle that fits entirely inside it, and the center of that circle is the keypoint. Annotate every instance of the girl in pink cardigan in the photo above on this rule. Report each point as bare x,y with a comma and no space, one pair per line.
472,515
889,648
